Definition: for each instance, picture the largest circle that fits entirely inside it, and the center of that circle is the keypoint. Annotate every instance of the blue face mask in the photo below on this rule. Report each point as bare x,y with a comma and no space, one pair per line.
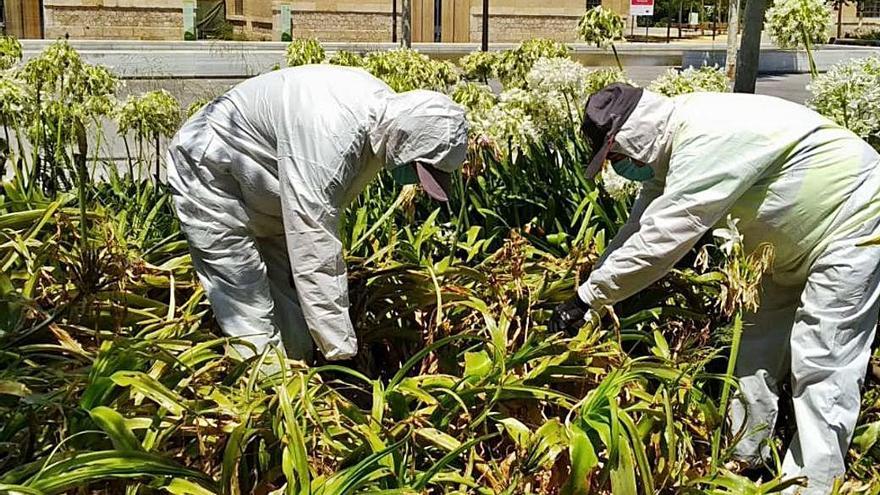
628,169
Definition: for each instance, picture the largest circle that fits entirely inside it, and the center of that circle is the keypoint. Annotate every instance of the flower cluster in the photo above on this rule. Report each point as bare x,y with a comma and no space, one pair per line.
153,114
849,94
619,188
691,80
601,26
794,23
304,51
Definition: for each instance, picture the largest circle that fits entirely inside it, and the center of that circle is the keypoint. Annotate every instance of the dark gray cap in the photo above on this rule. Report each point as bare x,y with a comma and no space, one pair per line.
605,113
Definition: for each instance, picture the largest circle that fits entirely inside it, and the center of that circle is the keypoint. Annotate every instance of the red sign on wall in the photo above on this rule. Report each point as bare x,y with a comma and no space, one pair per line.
641,7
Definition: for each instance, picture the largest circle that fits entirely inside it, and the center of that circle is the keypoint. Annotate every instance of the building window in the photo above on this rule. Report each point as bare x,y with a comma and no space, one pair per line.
239,7
593,3
869,8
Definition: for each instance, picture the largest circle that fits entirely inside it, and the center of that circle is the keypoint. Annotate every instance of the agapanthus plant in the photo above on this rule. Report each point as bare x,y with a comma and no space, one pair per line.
515,64
406,70
602,27
149,117
849,94
796,23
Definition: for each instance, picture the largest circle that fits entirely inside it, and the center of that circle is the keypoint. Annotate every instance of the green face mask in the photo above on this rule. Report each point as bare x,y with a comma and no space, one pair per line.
405,174
628,169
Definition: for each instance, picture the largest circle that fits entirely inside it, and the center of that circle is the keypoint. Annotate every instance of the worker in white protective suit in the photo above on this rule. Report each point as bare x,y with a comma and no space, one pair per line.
261,175
794,179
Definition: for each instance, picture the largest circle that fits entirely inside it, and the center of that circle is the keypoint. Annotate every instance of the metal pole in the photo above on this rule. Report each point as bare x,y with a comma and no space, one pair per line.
485,45
394,21
406,23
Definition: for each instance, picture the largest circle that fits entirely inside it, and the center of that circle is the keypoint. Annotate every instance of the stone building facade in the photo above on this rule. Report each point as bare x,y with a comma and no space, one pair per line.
452,21
113,19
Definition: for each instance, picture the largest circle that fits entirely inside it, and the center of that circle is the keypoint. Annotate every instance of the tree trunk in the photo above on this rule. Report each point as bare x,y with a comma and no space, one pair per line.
732,42
840,18
750,50
485,44
406,23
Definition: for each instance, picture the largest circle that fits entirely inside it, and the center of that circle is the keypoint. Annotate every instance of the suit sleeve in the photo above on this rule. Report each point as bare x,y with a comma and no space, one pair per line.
707,174
311,223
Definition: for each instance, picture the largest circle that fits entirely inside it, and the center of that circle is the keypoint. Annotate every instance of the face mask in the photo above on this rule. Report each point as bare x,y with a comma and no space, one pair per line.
627,169
405,174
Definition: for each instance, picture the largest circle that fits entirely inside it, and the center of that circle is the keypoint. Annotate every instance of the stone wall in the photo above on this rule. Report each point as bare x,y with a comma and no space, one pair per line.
114,19
372,27
515,28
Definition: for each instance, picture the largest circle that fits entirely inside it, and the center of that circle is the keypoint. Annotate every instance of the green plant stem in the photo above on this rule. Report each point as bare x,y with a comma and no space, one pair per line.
725,388
808,45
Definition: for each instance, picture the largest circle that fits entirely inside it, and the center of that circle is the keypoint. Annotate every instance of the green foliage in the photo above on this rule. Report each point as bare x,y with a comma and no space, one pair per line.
347,59
601,27
10,52
691,80
405,70
304,51
849,94
798,23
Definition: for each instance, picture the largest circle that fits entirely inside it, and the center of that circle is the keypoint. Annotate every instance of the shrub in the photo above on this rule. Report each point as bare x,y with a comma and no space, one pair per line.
304,51
690,80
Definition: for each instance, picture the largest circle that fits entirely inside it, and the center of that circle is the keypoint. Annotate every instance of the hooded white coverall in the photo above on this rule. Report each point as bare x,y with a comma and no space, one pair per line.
800,182
260,177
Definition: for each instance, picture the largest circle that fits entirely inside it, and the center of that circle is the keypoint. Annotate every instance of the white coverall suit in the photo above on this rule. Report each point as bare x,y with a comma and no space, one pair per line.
800,182
260,177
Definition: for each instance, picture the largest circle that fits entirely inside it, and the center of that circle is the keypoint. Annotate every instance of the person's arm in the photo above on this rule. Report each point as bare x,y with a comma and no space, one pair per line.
707,174
651,190
311,224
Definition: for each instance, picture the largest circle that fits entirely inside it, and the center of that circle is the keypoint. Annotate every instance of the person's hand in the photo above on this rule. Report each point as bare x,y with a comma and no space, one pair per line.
570,316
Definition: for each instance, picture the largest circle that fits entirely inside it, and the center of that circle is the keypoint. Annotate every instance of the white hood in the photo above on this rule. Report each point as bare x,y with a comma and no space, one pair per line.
646,135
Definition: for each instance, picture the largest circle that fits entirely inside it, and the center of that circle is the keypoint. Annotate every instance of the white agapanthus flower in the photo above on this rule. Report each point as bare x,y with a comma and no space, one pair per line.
849,94
791,23
508,123
618,187
730,237
557,74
